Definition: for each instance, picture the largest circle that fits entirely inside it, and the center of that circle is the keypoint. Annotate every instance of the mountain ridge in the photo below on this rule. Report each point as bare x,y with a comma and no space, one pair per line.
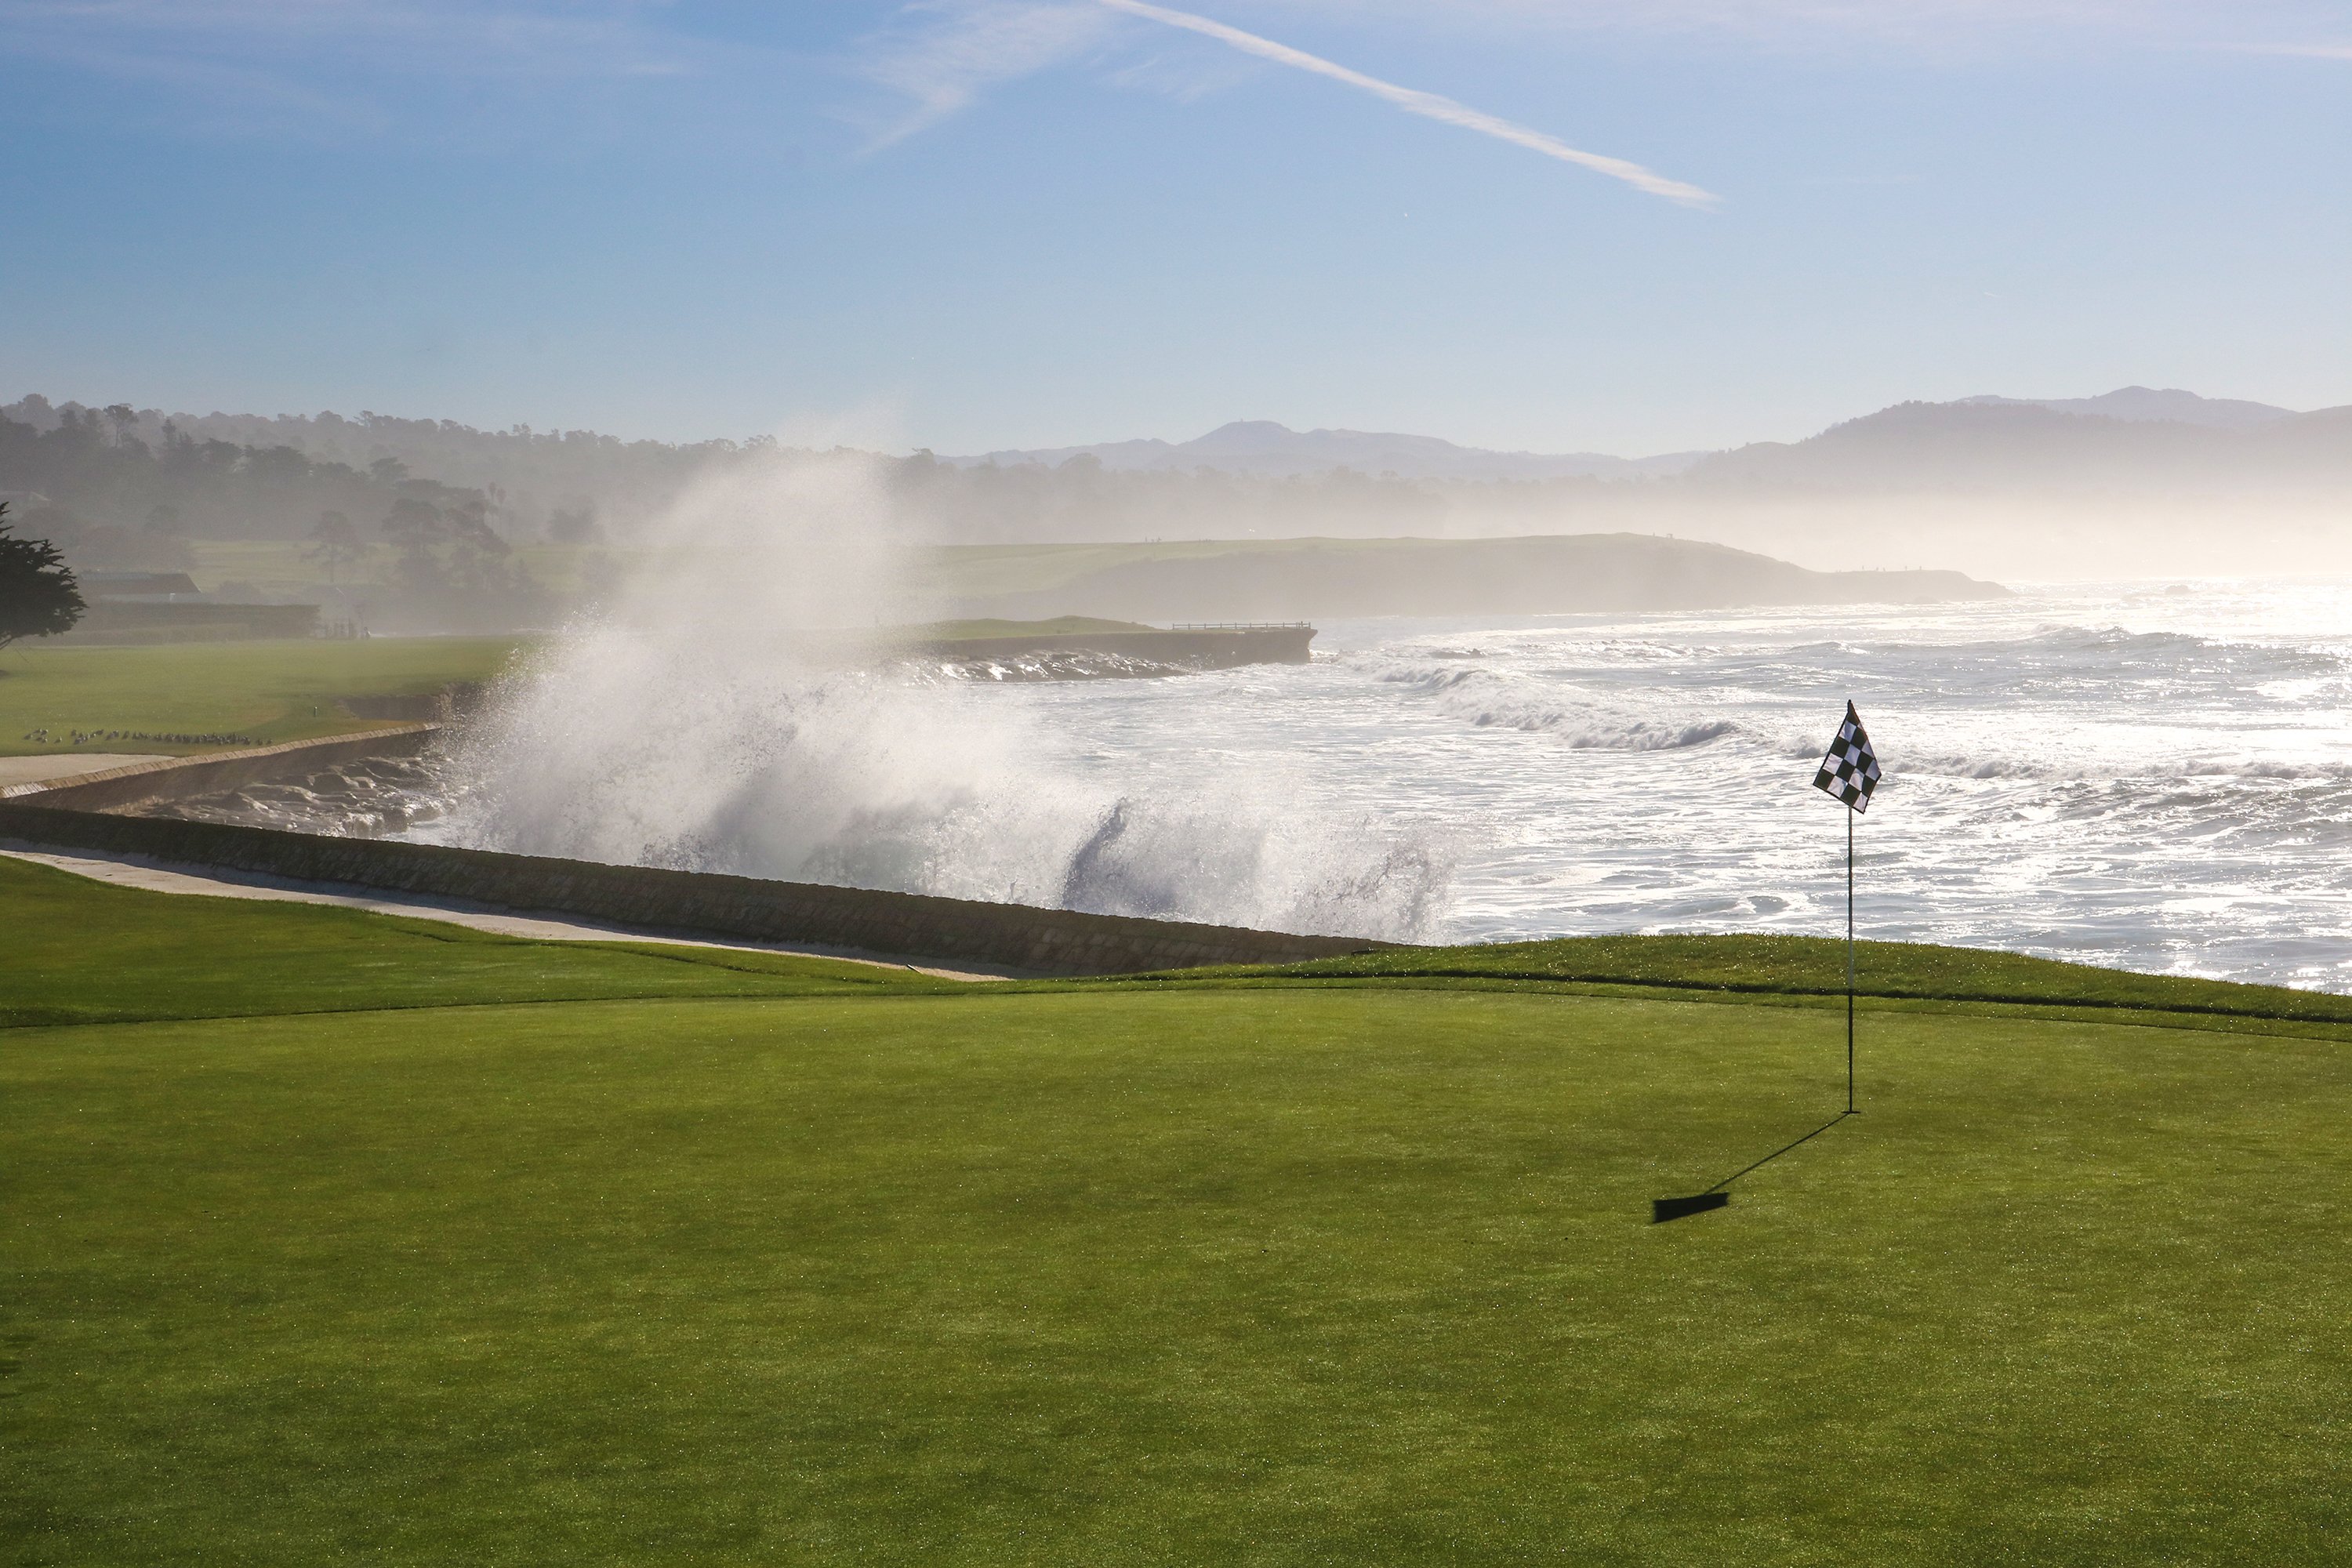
121,468
1977,444
2146,405
587,462
1266,449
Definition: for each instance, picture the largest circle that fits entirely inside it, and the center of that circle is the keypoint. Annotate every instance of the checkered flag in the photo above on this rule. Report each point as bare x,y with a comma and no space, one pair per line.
1851,770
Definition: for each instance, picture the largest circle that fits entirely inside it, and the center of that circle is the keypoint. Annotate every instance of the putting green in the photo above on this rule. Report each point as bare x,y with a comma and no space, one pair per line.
1086,1273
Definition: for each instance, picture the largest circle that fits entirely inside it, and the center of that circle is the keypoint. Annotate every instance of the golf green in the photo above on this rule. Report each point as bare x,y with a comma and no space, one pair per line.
1263,1272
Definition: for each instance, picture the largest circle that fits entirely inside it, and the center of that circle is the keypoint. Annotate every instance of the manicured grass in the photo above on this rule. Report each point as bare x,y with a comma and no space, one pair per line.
265,691
847,646
82,951
1812,966
985,569
1265,1272
968,631
287,566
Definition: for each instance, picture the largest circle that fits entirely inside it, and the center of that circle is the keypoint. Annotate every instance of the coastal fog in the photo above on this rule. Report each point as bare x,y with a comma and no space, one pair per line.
1530,673
425,525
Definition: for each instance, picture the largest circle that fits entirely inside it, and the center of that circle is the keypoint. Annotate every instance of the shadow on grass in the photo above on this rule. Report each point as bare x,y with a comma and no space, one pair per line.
1716,1197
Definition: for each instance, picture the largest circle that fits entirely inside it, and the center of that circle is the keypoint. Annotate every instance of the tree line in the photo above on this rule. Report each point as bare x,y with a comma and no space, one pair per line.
125,474
106,499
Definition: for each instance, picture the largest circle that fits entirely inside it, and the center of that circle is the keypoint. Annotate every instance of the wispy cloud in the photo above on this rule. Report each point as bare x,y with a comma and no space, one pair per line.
946,68
1429,105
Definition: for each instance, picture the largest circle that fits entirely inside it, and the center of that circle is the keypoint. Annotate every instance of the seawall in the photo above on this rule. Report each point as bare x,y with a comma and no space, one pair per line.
179,778
81,815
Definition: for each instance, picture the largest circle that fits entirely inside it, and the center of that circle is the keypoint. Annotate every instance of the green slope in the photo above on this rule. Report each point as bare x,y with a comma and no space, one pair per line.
80,951
1314,579
266,692
971,631
1246,1270
1767,967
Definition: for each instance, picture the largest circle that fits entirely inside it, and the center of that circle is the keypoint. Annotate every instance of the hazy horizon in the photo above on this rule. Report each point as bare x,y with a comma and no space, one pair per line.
2001,489
2132,403
985,225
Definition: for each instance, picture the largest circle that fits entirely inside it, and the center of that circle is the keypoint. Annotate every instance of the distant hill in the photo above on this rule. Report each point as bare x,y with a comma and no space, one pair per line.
1264,449
123,472
2142,404
1323,579
1984,445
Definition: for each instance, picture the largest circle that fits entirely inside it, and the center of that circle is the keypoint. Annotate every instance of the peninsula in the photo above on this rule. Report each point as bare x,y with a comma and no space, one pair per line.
1272,579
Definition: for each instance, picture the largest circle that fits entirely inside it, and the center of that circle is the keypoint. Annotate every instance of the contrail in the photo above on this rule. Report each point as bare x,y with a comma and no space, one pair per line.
1429,105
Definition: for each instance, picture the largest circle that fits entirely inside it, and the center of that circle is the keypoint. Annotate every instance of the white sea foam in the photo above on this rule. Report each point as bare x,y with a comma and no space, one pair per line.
686,728
2159,781
1574,717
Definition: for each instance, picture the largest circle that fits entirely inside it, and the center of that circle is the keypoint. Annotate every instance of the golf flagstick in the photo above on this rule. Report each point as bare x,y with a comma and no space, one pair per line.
1849,774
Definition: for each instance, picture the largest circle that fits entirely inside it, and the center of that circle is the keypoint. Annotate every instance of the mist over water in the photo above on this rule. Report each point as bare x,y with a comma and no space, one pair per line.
2110,774
690,725
2117,774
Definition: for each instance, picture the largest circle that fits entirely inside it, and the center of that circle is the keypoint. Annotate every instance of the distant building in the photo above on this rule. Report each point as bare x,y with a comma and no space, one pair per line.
166,606
164,585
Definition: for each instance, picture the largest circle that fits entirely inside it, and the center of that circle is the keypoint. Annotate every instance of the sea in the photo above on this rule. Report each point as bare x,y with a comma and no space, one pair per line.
2151,776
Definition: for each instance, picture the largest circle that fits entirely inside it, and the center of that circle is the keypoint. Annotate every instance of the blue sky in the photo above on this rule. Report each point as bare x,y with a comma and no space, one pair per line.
1040,222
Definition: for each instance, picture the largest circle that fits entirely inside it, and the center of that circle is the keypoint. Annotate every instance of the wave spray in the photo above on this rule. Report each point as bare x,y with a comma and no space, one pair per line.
720,714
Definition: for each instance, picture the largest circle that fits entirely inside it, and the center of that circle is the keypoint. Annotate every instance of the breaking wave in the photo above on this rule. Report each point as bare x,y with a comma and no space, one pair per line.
631,750
1058,664
2175,796
686,729
1485,698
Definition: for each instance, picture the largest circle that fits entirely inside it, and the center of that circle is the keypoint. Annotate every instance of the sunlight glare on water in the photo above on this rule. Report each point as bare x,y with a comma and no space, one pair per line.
2123,775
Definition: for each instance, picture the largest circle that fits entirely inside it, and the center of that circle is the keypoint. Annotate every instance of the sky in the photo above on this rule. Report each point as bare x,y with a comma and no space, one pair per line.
966,225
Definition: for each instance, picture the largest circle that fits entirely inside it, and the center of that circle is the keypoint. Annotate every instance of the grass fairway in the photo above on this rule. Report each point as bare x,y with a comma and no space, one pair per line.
268,691
1087,1273
81,953
287,566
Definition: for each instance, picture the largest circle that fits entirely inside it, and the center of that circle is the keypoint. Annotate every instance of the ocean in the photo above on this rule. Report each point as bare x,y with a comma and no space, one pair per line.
2157,776
2151,776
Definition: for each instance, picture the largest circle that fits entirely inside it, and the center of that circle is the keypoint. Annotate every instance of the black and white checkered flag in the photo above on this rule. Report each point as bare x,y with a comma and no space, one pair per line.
1851,770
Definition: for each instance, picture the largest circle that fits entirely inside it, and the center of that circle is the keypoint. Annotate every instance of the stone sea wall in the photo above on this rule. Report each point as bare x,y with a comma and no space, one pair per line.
81,815
181,778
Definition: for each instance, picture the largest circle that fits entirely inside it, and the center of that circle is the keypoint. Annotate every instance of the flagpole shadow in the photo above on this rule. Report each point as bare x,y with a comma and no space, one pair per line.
1716,1197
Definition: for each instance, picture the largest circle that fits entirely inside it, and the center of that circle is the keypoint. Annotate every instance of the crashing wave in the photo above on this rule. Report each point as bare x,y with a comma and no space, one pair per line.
1065,664
1487,699
369,797
638,749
